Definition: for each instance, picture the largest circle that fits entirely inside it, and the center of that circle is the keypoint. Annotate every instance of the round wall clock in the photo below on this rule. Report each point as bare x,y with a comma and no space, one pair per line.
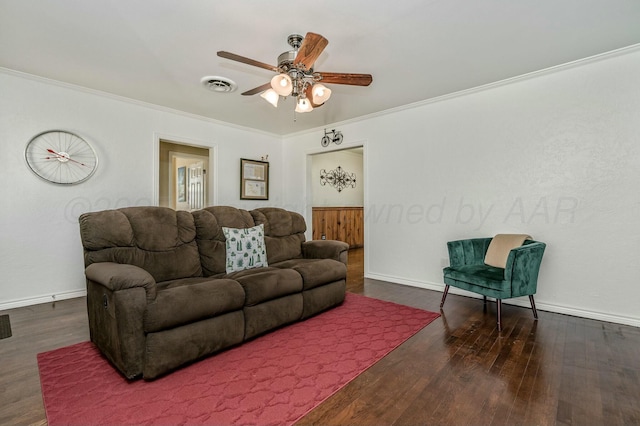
61,157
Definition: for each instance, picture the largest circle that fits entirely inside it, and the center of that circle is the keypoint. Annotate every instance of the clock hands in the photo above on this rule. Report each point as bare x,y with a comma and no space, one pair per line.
63,157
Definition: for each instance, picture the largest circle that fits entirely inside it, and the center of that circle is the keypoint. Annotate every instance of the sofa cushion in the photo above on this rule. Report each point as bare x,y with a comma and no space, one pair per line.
263,284
279,222
185,301
109,228
284,248
211,242
284,232
245,248
315,272
159,240
210,238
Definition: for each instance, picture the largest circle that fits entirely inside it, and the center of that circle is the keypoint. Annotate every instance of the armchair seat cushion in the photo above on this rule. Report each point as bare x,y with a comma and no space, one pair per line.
189,300
479,275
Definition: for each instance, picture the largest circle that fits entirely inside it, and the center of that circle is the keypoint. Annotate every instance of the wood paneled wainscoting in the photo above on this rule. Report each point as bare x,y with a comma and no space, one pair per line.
339,223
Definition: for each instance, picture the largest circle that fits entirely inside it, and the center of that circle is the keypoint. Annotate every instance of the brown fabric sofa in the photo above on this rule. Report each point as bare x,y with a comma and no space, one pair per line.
159,296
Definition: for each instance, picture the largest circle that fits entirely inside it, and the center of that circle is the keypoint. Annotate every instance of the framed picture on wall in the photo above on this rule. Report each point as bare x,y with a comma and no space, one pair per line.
254,180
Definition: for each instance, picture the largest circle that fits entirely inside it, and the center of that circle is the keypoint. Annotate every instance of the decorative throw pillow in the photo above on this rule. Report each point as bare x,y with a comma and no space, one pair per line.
245,248
500,246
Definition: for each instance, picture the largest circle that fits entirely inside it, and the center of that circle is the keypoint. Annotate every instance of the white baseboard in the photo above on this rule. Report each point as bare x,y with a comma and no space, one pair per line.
524,302
542,306
12,304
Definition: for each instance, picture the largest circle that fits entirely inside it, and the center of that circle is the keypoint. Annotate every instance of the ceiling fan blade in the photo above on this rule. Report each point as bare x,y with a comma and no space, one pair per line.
258,89
248,61
344,78
312,46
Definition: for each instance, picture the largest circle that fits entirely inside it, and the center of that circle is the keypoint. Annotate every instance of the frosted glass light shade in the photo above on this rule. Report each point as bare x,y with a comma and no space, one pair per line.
270,96
320,94
282,84
303,105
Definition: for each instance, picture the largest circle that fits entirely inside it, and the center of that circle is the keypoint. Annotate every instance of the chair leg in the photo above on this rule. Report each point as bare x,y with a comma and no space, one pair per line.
484,304
444,295
533,306
499,313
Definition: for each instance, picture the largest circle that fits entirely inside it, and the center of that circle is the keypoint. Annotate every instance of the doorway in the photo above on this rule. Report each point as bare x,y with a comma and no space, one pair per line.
183,176
187,181
337,195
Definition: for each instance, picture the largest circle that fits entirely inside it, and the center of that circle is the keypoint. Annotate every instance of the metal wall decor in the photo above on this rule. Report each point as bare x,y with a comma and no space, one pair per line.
336,137
338,178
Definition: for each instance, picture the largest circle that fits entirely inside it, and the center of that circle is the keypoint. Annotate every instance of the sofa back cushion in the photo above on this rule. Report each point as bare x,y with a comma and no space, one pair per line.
284,232
210,238
160,240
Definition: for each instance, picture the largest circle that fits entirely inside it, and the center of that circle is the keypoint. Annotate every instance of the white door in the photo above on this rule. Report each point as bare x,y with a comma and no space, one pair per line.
188,178
197,186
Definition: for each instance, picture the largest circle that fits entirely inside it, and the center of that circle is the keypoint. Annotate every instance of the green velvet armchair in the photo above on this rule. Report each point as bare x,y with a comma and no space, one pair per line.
468,271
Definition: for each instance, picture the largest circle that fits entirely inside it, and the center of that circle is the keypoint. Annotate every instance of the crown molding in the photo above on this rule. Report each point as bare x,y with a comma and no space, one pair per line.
505,82
131,101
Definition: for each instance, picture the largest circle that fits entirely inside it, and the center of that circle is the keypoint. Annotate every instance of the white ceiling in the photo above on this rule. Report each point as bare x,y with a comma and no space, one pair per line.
157,51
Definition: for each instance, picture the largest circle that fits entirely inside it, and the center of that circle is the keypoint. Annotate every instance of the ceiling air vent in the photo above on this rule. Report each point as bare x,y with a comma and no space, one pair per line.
219,84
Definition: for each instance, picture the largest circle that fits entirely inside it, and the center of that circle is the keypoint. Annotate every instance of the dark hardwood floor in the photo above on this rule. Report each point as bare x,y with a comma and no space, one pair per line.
458,370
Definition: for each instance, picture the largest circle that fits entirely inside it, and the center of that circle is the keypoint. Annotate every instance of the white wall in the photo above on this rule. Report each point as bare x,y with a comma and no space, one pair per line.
40,249
328,196
555,155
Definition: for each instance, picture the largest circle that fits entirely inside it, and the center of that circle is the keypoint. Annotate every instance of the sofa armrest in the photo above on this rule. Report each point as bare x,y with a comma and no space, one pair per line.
120,276
325,249
523,265
467,252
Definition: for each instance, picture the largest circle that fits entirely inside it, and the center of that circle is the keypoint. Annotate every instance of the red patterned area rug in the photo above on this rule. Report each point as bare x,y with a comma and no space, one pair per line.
274,379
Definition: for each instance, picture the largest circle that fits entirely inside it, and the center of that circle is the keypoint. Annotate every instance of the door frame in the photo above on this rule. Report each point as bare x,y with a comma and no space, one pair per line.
308,213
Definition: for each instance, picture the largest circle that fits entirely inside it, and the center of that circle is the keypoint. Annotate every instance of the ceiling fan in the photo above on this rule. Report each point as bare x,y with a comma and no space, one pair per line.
296,76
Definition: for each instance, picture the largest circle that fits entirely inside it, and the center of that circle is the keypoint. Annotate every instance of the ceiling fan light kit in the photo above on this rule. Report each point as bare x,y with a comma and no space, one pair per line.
296,76
303,105
320,93
271,96
282,84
